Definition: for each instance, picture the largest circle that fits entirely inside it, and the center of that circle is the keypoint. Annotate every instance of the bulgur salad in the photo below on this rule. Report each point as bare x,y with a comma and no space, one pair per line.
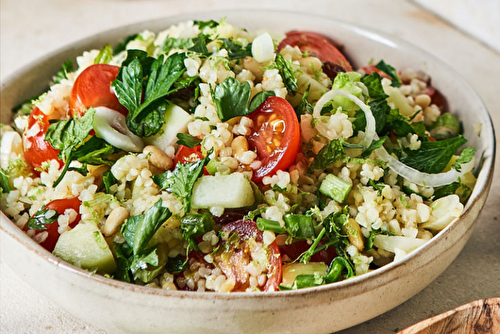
211,158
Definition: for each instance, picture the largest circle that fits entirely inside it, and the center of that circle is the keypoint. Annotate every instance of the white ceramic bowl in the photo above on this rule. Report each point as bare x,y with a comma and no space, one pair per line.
121,307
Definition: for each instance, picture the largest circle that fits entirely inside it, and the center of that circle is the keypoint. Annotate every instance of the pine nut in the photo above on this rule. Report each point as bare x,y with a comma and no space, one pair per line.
253,66
354,234
158,158
423,100
114,221
239,146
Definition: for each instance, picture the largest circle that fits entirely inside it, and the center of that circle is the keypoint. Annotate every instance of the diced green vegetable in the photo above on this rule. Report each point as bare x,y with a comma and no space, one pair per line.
446,126
85,247
335,188
269,225
226,191
299,226
337,265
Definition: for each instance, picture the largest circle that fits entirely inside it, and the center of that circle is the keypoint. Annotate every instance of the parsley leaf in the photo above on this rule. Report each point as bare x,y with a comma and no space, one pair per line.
4,182
108,179
236,50
433,156
329,154
187,140
181,180
446,190
286,73
195,225
231,99
203,24
42,218
139,229
304,106
390,71
146,118
105,55
379,107
466,156
373,146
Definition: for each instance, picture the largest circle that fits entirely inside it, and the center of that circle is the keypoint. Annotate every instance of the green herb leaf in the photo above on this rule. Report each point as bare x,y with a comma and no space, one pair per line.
373,146
176,265
108,179
139,229
187,140
203,24
40,219
146,118
67,67
432,157
374,84
390,71
446,190
231,99
181,180
307,280
195,225
328,155
408,191
236,50
95,151
304,106
299,226
378,186
5,186
286,73
269,225
105,55
465,157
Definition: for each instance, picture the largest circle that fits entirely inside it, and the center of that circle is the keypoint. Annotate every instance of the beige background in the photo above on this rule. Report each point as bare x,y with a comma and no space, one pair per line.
31,28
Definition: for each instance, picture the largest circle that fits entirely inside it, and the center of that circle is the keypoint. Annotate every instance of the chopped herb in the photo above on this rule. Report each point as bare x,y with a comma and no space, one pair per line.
232,99
378,186
371,238
187,140
176,265
105,55
236,50
299,226
390,71
145,118
408,191
433,156
335,269
67,67
195,225
328,155
446,190
181,180
108,179
304,106
5,186
269,225
465,157
373,146
42,218
203,24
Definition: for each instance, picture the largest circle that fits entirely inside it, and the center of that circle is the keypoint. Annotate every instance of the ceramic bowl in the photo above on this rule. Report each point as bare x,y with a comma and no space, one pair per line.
120,307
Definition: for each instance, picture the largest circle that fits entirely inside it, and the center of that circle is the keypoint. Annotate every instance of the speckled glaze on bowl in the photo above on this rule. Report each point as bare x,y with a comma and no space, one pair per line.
120,307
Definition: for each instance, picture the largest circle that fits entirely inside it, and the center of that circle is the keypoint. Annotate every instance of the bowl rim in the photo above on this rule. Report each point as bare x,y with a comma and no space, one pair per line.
10,228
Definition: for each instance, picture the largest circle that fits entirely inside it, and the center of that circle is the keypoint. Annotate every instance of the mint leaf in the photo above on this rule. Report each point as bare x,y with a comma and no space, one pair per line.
373,146
466,156
390,71
40,219
187,140
286,73
108,179
259,98
95,151
105,55
433,156
329,154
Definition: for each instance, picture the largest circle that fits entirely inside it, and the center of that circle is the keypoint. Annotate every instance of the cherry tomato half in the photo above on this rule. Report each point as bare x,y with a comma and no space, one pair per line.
92,88
275,135
242,238
59,205
186,155
36,149
316,44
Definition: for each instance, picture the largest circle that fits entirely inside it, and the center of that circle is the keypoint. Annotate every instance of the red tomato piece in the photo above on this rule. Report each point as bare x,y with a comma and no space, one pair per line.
92,88
186,155
318,45
59,205
36,149
241,239
295,249
275,135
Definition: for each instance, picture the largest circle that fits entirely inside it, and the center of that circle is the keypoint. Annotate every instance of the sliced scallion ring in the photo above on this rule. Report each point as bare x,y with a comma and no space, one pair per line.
370,120
110,125
263,48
